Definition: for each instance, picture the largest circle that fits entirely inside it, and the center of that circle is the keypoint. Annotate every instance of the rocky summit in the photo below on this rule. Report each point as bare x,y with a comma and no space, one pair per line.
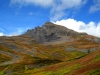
51,32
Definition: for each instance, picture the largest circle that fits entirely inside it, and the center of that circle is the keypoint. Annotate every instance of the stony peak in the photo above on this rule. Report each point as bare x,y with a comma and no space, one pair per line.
48,23
50,32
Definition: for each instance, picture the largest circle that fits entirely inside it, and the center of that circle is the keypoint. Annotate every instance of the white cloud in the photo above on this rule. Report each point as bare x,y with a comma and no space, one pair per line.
62,5
1,34
30,13
57,6
91,28
33,13
2,29
95,7
43,3
13,31
17,31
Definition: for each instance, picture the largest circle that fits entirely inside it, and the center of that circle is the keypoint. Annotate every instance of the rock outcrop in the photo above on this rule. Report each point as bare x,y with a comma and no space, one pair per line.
49,32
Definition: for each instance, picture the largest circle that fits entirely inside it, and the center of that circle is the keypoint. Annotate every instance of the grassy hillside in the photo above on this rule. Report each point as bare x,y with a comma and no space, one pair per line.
22,55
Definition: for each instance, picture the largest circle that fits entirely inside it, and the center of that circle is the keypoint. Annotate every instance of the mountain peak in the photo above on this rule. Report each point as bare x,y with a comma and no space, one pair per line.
51,32
46,23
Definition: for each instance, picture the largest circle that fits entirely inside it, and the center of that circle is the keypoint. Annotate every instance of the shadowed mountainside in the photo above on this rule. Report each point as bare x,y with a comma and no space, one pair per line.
50,50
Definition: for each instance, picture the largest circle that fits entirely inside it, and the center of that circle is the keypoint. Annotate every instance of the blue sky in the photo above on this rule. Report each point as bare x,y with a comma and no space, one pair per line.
17,16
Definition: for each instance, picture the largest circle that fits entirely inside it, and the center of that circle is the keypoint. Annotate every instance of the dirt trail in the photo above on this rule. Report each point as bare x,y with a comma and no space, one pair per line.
15,58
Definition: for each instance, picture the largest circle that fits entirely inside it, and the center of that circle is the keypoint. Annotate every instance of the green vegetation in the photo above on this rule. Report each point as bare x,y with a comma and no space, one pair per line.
61,71
76,55
97,58
95,72
50,59
66,70
3,71
4,58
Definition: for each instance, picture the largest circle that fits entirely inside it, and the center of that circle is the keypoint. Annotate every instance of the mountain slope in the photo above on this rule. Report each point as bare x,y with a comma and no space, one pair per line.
50,50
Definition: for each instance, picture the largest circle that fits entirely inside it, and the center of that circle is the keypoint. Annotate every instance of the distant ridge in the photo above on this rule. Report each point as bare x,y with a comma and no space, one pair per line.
50,32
